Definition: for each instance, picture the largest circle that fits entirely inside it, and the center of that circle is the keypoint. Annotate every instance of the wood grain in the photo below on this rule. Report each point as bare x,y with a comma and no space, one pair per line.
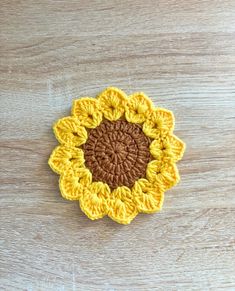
180,53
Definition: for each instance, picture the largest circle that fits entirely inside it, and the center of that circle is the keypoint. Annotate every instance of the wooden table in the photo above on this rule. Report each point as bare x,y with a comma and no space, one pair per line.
180,53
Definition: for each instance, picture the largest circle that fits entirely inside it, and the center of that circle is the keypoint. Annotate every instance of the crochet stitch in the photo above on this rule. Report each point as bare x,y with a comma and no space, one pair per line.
117,155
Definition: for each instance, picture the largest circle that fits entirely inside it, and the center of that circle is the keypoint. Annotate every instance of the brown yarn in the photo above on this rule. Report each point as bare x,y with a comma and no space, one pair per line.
117,153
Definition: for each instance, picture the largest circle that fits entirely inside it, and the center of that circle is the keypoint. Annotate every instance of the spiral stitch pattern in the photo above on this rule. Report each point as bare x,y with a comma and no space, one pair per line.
117,153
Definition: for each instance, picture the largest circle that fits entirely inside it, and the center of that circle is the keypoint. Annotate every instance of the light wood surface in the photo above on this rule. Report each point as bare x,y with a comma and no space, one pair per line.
181,54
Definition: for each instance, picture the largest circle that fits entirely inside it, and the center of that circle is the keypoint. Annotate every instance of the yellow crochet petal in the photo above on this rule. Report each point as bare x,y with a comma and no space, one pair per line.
64,157
167,148
73,181
112,103
138,108
87,111
122,208
149,198
93,201
68,131
165,175
160,148
160,123
177,147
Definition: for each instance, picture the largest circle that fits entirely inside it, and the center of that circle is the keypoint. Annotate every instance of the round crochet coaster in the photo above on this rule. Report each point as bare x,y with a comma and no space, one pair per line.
117,155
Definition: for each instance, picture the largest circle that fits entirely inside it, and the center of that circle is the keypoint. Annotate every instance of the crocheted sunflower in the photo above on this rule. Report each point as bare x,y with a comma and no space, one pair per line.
117,155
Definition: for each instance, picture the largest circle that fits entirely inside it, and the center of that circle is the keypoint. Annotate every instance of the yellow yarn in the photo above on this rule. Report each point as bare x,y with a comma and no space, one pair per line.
73,182
138,108
96,198
149,197
112,103
93,202
159,123
68,131
169,148
65,157
87,111
164,174
121,205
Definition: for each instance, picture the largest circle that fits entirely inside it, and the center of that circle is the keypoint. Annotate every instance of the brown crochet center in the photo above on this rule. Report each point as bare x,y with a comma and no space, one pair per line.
117,153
